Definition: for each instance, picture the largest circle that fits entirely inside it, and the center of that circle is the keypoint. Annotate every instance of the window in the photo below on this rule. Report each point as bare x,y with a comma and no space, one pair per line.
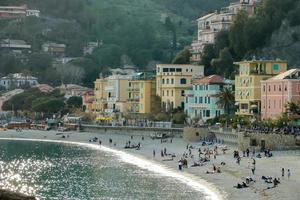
279,88
172,93
172,69
208,100
165,69
196,100
183,81
186,100
129,84
269,88
276,67
178,70
163,81
163,93
167,93
201,100
167,81
182,93
285,88
172,81
205,100
208,113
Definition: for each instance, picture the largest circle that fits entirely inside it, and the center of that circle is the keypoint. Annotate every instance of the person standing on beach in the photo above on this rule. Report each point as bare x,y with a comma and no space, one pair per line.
100,142
153,153
289,173
253,169
282,172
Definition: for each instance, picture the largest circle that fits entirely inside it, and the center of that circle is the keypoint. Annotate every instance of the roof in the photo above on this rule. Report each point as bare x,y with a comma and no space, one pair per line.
261,61
9,41
213,79
178,65
207,16
19,76
290,74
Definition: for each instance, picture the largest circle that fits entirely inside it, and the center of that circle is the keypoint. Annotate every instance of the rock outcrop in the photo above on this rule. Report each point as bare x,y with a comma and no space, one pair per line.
9,195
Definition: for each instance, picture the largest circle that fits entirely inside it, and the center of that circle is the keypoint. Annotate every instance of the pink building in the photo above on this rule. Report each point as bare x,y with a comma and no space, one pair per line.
276,92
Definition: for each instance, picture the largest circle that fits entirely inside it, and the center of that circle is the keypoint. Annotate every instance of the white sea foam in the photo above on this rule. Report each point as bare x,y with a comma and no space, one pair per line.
196,183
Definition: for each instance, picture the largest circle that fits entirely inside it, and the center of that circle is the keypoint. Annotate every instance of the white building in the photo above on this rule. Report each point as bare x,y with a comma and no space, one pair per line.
117,93
16,46
35,13
18,80
211,24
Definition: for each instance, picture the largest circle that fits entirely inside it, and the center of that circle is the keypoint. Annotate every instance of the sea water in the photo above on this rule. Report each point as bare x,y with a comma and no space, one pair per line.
67,171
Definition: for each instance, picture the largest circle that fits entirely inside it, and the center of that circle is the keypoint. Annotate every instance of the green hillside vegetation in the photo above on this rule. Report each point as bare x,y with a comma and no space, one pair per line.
145,31
273,32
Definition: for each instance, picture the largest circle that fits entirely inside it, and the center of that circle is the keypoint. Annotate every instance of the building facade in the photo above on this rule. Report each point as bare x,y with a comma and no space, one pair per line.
211,24
171,82
141,93
201,101
248,83
18,80
276,92
54,49
111,94
100,100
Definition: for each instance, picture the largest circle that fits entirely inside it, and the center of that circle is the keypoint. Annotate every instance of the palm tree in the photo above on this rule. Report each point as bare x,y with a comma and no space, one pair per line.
226,99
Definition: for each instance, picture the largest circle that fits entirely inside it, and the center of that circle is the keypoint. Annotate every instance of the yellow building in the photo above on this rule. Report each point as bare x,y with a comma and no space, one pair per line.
141,91
171,82
111,94
100,100
248,86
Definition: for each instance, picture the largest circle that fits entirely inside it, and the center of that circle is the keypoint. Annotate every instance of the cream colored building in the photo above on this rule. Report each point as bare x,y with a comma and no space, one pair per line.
171,82
211,24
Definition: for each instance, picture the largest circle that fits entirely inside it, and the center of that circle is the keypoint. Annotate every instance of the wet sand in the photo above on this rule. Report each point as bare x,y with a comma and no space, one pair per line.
232,173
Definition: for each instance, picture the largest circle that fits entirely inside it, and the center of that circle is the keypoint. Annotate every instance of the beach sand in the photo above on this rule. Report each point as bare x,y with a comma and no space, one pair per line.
232,173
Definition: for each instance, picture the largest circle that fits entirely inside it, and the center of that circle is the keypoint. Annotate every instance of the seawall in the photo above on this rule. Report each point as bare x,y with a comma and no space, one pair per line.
138,131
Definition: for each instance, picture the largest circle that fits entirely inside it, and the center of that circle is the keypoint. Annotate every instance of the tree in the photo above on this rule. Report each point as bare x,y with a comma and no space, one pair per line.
70,74
226,99
74,102
183,57
48,105
224,64
207,55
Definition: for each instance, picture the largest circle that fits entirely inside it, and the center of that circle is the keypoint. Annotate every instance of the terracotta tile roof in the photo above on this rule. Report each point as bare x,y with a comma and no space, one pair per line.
213,79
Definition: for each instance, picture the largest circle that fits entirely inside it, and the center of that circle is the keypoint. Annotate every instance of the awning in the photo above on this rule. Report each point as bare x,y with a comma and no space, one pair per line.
104,119
254,106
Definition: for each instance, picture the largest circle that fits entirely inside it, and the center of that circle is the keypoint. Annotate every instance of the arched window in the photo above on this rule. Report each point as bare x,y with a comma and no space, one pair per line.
167,81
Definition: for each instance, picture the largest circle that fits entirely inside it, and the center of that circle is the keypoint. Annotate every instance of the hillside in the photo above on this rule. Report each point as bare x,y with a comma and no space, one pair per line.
142,31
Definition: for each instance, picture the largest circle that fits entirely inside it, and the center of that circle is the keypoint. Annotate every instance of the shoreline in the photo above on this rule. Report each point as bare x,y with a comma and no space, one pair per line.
220,184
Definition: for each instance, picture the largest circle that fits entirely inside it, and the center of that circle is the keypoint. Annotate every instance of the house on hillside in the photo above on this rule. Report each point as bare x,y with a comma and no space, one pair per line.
55,49
15,46
15,12
18,80
211,24
70,90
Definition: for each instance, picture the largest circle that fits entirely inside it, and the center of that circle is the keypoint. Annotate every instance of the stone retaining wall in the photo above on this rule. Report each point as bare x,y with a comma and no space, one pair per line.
138,131
272,141
197,134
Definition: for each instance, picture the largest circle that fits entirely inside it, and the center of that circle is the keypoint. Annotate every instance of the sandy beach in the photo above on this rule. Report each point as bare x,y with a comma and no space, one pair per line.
231,172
